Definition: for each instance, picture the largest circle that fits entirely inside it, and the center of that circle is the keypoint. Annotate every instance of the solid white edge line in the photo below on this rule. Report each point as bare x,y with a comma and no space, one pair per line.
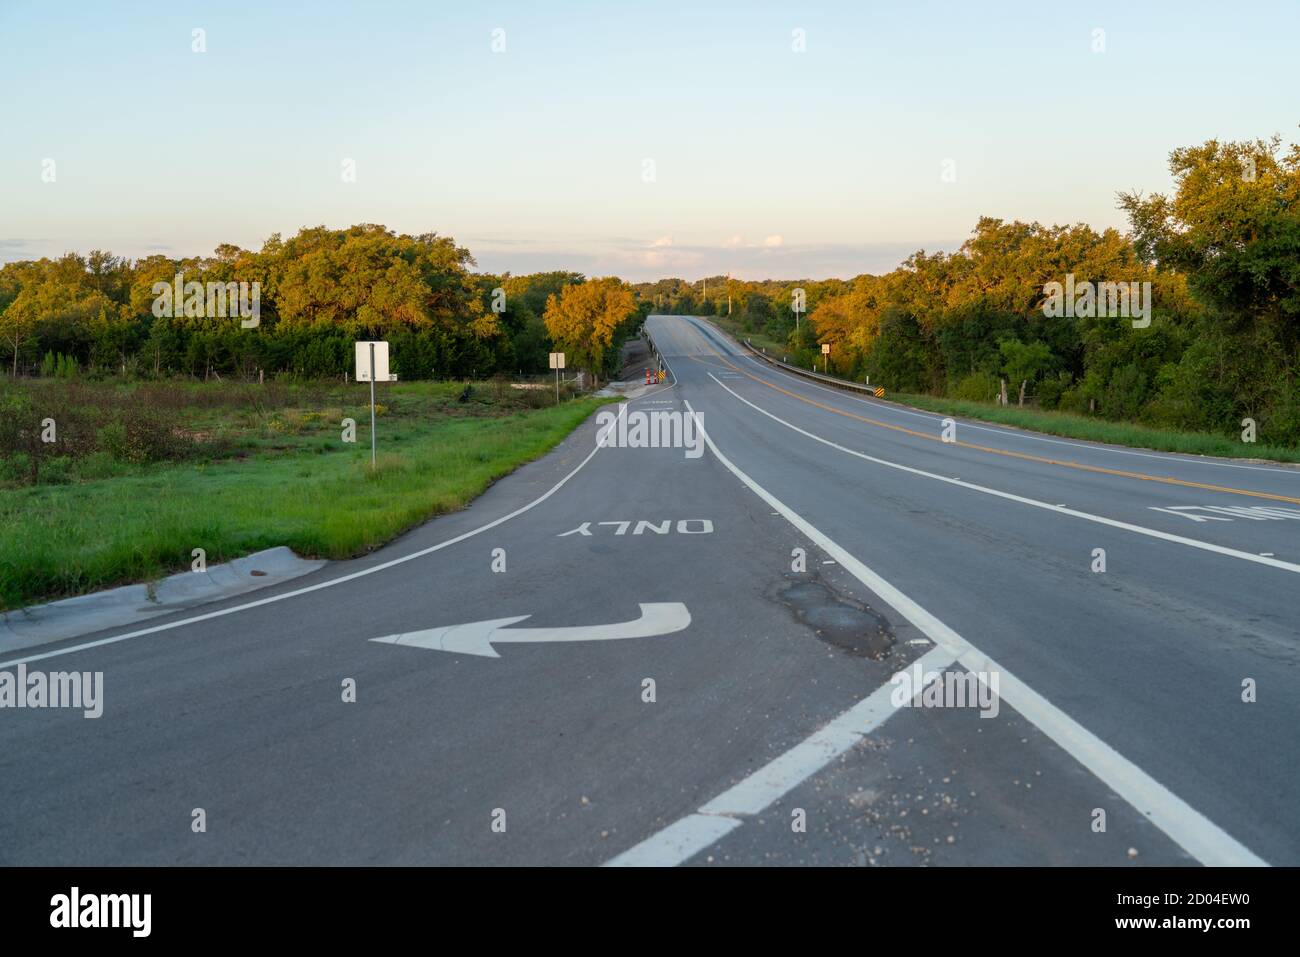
319,585
1012,497
1184,825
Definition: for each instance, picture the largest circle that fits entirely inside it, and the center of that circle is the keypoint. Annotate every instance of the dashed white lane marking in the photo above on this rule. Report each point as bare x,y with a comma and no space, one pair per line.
1012,497
320,585
1187,827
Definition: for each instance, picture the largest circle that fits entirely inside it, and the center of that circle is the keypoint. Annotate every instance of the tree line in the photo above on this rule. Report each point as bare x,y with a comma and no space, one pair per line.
1221,254
316,293
1221,343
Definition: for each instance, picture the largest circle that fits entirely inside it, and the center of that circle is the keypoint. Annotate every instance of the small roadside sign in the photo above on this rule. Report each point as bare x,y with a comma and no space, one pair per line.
380,362
372,367
826,348
557,363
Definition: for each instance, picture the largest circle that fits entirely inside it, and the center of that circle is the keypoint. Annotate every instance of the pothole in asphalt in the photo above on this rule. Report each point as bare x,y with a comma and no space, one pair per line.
847,624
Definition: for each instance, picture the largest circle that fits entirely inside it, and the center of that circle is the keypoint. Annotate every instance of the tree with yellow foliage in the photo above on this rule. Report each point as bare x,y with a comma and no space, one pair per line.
584,318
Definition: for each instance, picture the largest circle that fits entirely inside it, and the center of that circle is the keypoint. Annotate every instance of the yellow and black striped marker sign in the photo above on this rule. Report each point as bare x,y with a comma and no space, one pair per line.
879,392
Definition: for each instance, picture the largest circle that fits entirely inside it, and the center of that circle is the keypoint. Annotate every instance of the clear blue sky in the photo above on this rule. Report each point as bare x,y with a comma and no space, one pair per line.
767,162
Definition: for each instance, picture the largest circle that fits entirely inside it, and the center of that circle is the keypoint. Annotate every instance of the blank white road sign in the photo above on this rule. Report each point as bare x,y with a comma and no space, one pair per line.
557,360
381,361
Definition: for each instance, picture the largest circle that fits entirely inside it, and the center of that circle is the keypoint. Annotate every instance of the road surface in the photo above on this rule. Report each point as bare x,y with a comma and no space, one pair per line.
689,659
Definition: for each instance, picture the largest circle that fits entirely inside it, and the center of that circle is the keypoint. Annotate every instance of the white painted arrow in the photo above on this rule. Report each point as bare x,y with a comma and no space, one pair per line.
477,637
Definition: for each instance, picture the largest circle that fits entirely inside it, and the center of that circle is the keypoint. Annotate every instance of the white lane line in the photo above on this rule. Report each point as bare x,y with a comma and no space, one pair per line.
320,585
678,842
1012,497
688,836
1188,828
969,424
778,777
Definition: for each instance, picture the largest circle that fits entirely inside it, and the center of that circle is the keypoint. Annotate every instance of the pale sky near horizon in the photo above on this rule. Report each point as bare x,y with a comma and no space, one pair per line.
767,162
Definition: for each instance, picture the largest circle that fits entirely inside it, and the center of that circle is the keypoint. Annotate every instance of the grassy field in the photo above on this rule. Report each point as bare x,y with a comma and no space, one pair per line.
757,338
257,467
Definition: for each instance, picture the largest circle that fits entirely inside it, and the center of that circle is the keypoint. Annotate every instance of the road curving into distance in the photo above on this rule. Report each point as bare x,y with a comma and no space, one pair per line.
683,655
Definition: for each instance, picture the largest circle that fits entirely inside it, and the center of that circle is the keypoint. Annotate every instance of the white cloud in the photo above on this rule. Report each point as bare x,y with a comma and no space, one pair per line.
637,260
771,242
667,260
733,242
662,241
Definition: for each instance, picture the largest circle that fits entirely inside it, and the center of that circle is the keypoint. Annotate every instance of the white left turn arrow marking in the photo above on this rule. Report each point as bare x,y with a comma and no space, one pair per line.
477,637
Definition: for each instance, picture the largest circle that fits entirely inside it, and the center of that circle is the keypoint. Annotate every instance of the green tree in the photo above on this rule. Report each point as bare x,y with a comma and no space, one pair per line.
1025,362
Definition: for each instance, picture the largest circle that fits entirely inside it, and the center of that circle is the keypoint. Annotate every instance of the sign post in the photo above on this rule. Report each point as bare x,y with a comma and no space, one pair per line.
372,366
826,351
557,363
374,456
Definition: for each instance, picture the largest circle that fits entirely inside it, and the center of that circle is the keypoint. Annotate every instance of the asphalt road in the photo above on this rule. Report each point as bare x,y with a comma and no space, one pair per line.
1118,735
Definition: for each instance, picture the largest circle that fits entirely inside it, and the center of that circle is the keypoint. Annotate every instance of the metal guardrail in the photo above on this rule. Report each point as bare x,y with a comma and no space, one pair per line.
875,390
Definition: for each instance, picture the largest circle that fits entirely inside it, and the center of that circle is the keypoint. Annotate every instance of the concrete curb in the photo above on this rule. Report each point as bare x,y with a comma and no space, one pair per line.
626,390
132,604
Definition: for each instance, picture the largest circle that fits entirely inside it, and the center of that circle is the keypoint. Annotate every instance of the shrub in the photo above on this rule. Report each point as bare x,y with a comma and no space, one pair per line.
58,366
57,470
977,387
113,441
1125,393
1052,389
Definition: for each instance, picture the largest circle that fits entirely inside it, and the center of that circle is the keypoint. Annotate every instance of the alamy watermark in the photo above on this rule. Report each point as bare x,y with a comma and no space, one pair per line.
55,689
918,688
650,430
1088,300
214,300
76,909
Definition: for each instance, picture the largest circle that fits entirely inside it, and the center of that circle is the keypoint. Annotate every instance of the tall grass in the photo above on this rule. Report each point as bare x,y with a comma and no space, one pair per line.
308,490
1091,429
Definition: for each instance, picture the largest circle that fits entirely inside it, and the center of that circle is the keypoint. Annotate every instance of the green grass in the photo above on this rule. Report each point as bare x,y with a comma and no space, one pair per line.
276,477
757,338
1092,429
